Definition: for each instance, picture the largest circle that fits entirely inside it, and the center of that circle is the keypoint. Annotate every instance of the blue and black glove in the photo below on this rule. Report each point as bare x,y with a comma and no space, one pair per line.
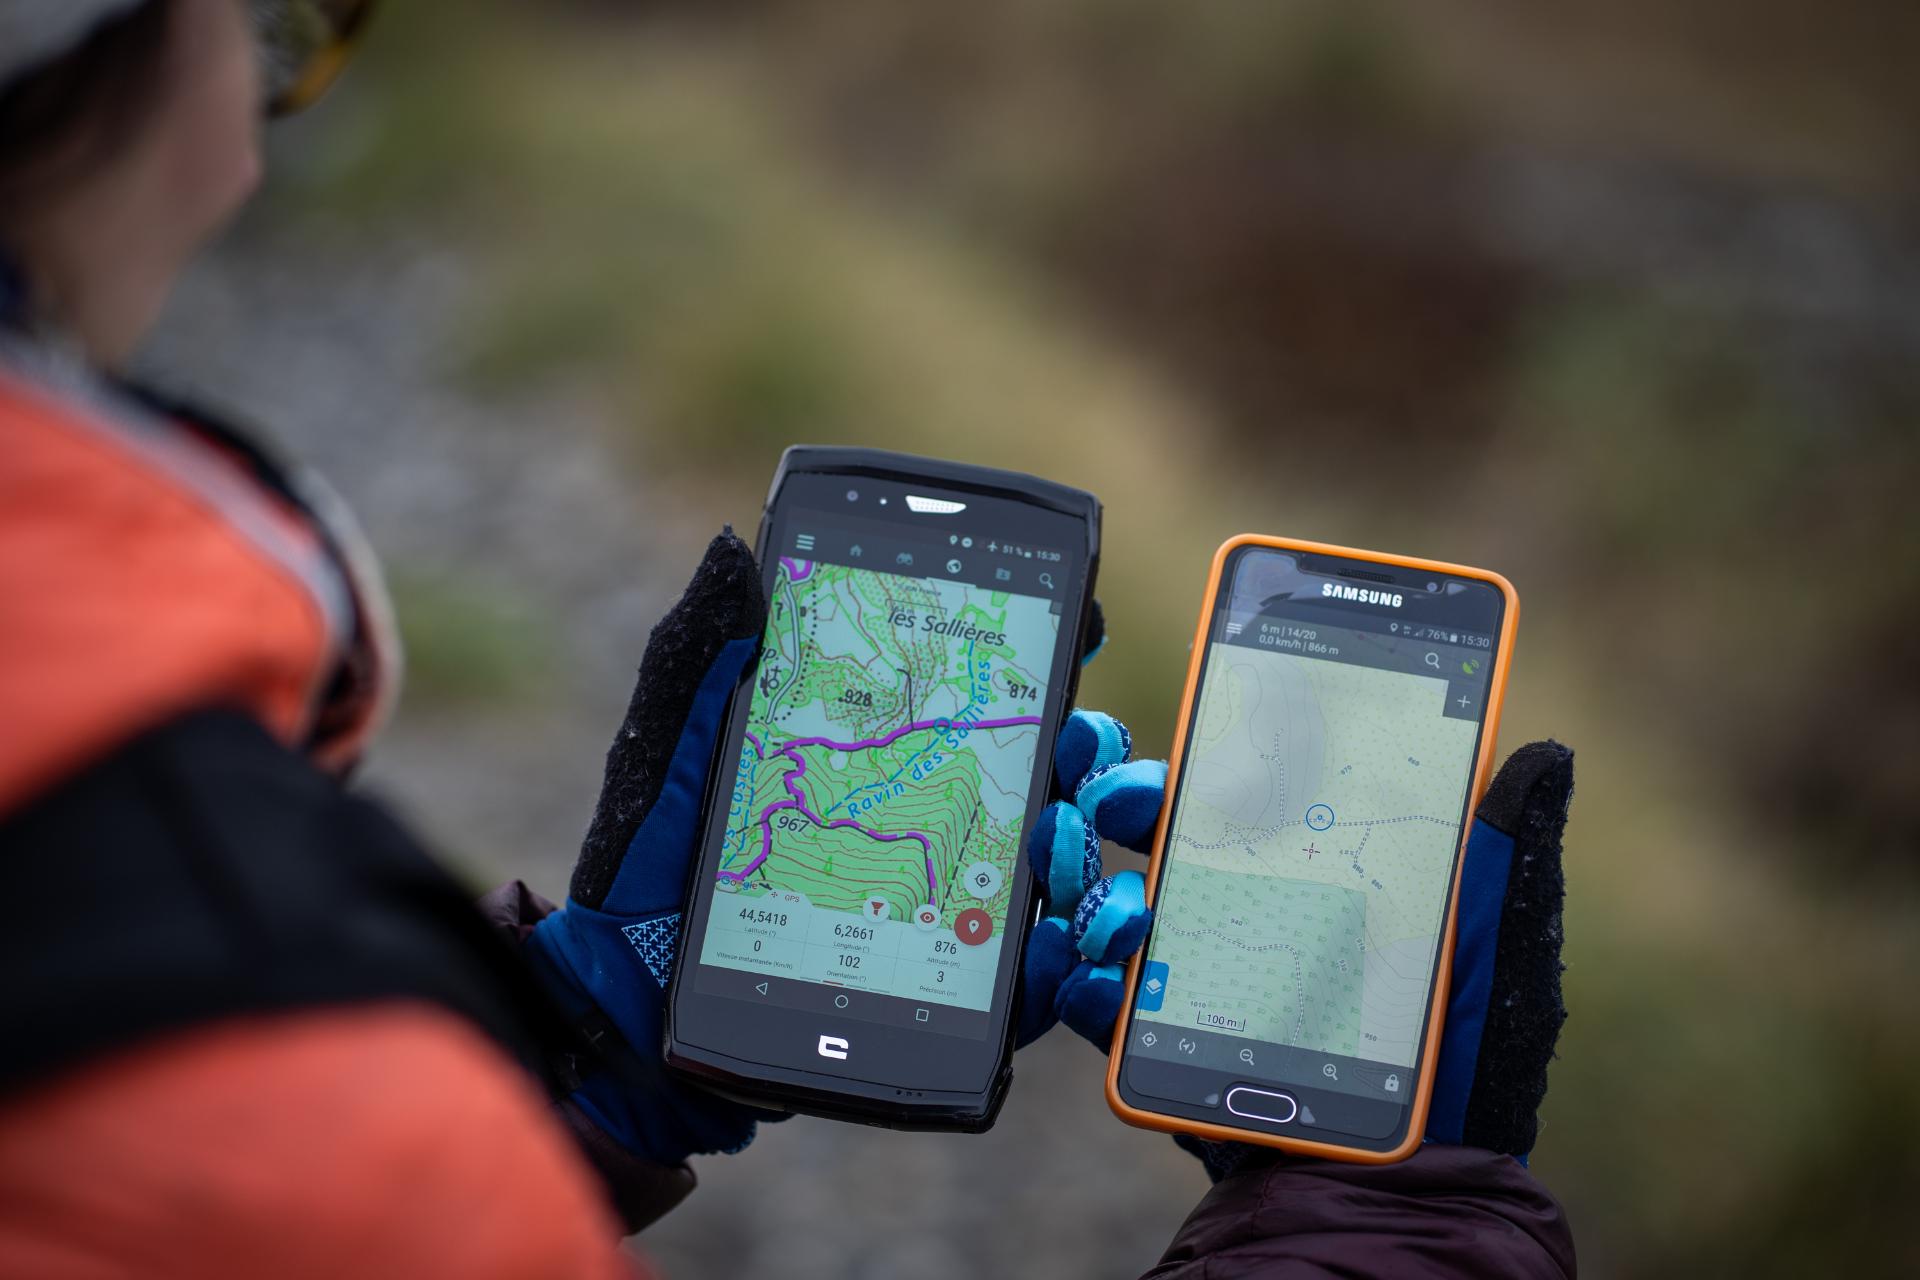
607,955
1074,970
1504,1010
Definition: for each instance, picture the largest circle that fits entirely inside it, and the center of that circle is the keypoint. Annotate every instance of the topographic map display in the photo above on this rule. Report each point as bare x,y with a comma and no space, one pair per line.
1319,812
873,834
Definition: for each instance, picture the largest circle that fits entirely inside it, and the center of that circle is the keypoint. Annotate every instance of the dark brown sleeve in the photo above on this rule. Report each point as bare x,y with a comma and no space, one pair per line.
642,1192
1446,1212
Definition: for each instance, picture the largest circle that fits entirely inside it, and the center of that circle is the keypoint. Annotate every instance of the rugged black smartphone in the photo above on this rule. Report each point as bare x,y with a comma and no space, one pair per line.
860,899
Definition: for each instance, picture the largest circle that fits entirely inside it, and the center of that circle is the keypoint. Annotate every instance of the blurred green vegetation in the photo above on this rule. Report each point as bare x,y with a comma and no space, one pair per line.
1233,267
468,644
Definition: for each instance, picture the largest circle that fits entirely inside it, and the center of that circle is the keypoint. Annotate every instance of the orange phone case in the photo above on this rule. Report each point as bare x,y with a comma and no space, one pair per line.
1497,688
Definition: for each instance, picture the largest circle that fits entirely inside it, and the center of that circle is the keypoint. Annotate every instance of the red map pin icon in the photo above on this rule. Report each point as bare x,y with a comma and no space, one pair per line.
973,926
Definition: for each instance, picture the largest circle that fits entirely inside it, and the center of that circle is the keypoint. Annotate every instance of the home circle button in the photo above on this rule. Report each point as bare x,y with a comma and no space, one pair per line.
1262,1104
839,1002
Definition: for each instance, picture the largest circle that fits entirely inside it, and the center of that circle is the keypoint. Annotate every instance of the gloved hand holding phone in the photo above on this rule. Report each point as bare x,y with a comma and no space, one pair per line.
607,954
1504,1009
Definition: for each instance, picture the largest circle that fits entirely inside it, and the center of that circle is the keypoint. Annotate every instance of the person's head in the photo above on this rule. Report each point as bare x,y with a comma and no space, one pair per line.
121,157
130,135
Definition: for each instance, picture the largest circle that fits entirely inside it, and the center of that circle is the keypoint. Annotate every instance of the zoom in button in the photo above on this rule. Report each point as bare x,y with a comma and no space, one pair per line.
1262,1104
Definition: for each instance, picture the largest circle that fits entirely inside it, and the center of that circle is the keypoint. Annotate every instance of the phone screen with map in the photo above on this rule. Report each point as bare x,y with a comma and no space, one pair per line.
864,864
1309,857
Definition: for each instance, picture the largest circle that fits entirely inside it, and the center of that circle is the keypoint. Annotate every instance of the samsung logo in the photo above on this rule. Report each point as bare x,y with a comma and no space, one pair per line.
1360,595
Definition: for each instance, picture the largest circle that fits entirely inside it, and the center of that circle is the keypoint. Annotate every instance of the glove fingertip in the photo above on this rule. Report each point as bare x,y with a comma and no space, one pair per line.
741,1143
1113,918
1089,1002
1132,932
1535,782
724,600
1040,840
1094,639
1123,801
1089,741
1065,855
723,605
1049,960
1050,950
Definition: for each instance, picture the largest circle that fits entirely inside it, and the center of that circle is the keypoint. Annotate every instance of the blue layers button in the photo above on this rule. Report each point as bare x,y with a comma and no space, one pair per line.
1153,987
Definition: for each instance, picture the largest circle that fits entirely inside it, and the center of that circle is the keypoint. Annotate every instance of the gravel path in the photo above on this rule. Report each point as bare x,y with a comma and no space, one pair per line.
335,349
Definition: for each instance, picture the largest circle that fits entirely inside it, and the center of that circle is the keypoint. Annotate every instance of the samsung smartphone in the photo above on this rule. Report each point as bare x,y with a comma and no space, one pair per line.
1336,731
861,898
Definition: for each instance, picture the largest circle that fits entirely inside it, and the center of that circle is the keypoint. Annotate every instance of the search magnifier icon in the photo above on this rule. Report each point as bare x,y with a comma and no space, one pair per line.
1433,660
1046,580
1246,1056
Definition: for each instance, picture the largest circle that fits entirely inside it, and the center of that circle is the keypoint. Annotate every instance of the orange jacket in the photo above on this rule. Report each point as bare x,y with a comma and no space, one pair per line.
386,1140
148,570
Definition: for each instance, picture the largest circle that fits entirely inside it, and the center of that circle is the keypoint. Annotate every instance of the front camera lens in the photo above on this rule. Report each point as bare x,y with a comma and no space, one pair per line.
853,495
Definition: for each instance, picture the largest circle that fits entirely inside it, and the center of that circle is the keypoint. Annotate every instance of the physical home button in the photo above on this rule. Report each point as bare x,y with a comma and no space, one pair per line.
1262,1104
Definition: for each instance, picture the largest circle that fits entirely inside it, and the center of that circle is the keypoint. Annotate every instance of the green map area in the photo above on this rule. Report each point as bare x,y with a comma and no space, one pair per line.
890,744
1285,956
1308,865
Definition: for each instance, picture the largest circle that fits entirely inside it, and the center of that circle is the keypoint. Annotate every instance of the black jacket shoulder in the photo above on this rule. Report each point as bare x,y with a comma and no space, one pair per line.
205,870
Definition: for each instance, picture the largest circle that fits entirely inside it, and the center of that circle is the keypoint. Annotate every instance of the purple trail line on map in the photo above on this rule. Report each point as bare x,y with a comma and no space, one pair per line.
797,570
795,800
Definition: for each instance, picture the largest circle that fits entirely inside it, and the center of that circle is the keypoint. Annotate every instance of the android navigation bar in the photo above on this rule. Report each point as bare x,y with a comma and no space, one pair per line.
838,1002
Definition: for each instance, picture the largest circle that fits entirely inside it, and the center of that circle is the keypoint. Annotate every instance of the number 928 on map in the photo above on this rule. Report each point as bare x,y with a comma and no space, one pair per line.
862,875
